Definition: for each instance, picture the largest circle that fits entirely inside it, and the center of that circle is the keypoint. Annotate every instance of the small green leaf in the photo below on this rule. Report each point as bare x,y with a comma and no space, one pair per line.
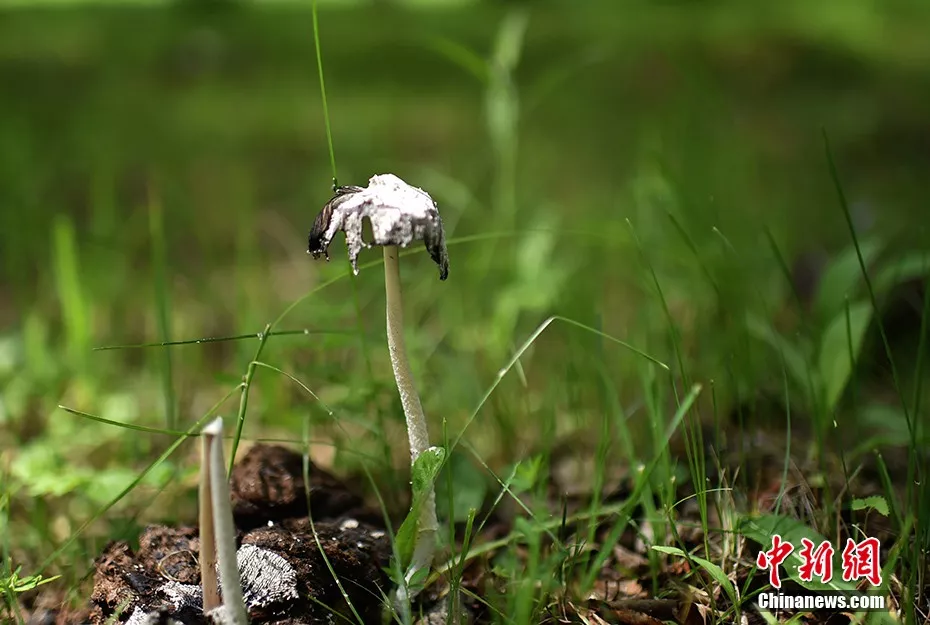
841,343
417,581
761,529
876,502
458,54
910,267
15,583
841,278
404,541
712,569
425,470
526,474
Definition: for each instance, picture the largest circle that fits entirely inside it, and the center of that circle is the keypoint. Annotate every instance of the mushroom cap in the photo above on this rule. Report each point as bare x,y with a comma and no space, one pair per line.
399,214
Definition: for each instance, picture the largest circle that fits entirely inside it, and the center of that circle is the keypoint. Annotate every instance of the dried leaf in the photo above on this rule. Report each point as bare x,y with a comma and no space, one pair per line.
631,617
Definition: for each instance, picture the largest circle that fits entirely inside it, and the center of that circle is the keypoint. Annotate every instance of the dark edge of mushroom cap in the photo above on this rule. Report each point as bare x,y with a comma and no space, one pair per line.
315,243
435,243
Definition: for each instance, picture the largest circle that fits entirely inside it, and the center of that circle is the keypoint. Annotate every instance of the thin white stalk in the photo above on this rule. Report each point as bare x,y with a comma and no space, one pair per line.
425,544
208,580
233,602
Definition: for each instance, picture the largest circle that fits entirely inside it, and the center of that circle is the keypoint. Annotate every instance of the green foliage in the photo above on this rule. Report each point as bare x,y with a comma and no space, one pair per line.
17,584
527,474
539,277
762,528
71,296
715,572
465,484
877,503
423,476
839,347
842,280
162,303
531,579
583,179
821,364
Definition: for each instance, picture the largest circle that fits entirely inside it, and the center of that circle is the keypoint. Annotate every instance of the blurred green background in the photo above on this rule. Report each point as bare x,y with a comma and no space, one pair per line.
161,165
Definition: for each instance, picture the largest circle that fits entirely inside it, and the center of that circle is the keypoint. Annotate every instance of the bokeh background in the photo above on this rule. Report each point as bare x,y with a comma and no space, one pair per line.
655,171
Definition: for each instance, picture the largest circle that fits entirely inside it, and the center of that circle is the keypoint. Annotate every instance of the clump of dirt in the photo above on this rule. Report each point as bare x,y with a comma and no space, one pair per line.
268,485
346,541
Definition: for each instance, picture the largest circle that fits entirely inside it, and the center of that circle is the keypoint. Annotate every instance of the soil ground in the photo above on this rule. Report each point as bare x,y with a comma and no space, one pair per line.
270,509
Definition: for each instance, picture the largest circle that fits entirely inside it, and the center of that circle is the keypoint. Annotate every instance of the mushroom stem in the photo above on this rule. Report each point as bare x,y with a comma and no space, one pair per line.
427,527
225,529
208,579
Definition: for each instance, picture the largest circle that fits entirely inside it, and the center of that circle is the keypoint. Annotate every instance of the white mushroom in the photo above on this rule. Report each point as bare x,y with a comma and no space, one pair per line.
399,214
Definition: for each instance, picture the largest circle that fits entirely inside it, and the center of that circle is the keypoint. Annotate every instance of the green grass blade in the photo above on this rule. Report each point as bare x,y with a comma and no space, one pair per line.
715,571
162,302
125,426
244,398
834,174
642,486
526,345
221,339
189,433
70,290
673,333
459,55
319,66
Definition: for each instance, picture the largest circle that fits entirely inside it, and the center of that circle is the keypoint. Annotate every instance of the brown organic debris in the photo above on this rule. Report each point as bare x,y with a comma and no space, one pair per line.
282,557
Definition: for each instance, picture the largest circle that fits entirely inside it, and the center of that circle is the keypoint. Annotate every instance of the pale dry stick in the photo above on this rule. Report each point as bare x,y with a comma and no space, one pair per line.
225,529
208,580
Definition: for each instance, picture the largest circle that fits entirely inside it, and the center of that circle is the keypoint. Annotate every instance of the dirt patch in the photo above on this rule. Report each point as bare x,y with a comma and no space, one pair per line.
345,542
268,485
